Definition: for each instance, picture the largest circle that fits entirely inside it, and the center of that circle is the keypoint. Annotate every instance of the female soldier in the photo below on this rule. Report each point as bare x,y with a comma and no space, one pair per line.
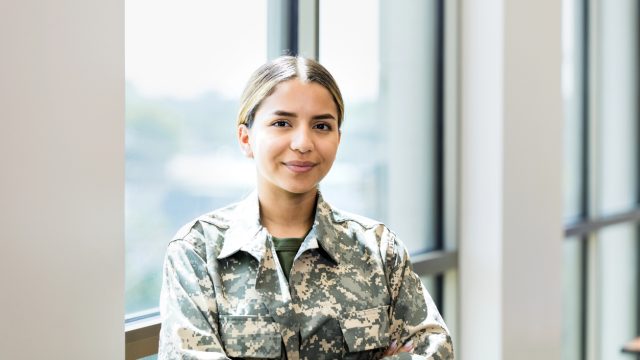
282,274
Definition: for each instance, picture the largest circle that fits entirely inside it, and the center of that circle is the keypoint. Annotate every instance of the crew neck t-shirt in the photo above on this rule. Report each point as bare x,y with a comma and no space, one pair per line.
286,249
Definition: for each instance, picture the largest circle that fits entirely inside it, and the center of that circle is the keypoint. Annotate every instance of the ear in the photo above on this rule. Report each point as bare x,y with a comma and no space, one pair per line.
243,139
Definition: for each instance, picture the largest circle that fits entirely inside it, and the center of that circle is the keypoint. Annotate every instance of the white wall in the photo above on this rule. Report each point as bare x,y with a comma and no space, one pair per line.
62,182
511,180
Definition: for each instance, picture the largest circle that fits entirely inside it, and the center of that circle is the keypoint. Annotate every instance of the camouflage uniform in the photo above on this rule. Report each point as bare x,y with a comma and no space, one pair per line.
351,292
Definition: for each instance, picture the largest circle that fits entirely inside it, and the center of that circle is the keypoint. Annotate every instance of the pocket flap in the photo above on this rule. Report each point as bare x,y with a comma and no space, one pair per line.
366,329
250,336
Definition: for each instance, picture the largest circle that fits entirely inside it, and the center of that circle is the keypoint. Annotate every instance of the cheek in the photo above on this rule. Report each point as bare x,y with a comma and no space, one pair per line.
330,150
266,148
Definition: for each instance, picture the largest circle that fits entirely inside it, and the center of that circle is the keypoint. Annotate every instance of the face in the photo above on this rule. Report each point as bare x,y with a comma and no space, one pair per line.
294,137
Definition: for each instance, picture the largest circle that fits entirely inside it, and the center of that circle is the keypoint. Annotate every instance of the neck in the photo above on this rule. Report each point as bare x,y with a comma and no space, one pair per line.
285,214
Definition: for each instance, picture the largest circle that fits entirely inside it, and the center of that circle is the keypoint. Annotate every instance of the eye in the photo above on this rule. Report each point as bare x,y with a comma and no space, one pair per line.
322,126
280,123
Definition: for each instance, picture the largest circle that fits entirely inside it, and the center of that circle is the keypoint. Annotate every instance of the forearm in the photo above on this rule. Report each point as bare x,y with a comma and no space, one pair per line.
414,316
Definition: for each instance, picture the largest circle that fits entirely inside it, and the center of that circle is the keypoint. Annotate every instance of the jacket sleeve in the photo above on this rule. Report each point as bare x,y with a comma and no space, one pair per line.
187,307
413,315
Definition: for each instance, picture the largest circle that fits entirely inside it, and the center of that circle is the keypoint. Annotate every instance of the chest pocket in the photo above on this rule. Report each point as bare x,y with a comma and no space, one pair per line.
366,329
250,336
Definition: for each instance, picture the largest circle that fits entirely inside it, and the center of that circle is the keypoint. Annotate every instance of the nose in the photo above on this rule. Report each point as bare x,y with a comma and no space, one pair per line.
302,141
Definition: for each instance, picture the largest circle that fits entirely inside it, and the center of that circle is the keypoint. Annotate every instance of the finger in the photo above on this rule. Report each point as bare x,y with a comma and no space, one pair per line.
392,348
407,347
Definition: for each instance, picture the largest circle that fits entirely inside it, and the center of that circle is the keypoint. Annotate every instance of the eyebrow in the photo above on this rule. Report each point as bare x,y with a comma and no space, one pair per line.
326,116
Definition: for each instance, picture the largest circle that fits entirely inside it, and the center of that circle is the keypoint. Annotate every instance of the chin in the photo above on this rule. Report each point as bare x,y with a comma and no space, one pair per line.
300,189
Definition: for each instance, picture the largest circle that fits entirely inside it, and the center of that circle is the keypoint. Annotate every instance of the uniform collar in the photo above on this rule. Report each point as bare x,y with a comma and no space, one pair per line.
247,234
323,233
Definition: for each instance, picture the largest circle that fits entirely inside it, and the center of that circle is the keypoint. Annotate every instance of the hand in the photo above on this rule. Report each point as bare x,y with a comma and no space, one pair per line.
395,349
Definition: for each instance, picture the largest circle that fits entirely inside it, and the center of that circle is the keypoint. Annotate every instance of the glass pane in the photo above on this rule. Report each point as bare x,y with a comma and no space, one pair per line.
617,286
572,305
185,71
618,105
385,166
572,91
430,283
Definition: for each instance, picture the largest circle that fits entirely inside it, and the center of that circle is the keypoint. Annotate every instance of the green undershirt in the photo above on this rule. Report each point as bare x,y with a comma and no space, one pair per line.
286,249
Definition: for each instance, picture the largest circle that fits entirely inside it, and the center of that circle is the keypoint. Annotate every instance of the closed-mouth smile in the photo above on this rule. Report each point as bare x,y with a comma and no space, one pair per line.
299,166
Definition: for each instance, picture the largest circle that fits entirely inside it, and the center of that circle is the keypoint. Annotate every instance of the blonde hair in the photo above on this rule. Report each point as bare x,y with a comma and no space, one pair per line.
264,80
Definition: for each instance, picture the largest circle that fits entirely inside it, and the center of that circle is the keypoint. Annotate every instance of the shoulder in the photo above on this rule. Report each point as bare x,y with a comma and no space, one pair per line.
356,222
351,219
384,237
207,230
218,219
360,234
377,233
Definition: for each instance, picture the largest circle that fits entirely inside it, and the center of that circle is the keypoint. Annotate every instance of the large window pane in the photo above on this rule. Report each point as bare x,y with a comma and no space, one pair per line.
431,284
617,249
385,167
186,65
617,285
618,104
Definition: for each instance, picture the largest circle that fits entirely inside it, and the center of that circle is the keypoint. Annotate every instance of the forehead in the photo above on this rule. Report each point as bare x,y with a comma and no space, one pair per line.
300,97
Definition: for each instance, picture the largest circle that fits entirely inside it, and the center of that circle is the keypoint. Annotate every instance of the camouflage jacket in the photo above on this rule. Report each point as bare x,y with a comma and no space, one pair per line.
351,292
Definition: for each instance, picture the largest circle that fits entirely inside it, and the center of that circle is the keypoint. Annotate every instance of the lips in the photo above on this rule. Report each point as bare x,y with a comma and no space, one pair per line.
299,166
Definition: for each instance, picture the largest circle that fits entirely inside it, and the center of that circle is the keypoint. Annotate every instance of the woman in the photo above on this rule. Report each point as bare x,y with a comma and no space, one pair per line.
282,274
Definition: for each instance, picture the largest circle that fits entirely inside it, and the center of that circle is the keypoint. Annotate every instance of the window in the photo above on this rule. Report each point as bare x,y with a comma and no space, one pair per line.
186,65
601,192
387,93
183,85
391,71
